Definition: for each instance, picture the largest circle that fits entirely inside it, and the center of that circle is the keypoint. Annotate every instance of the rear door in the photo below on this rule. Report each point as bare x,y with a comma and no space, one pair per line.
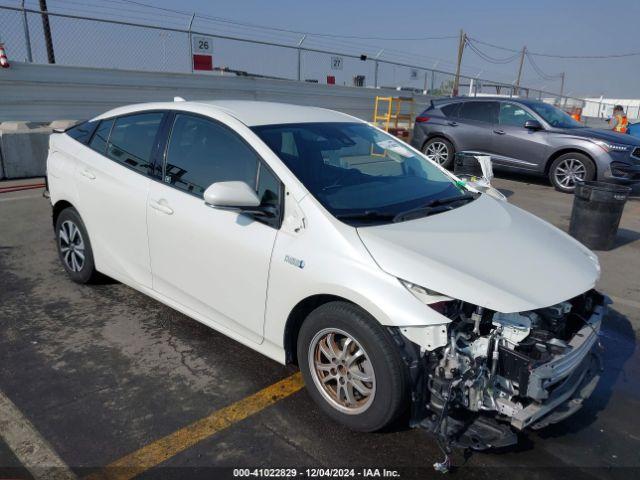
475,124
515,146
112,179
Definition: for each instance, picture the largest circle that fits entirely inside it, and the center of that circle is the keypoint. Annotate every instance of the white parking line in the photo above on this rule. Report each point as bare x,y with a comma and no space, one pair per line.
33,451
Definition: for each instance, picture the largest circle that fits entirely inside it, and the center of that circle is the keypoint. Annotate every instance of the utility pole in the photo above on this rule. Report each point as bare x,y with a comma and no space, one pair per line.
561,84
456,81
524,52
27,38
47,32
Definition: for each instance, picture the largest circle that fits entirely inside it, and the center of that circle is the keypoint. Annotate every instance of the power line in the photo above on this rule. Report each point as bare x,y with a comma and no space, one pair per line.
298,32
560,56
489,58
540,72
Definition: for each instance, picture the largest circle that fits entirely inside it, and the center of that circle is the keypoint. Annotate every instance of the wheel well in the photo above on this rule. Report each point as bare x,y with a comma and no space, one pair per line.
296,318
57,208
557,154
438,135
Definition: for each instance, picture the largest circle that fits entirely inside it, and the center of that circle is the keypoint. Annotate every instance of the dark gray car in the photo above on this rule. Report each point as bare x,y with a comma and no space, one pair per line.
526,136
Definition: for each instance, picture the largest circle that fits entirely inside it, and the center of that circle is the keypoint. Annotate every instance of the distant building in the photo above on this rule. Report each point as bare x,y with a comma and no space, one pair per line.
603,107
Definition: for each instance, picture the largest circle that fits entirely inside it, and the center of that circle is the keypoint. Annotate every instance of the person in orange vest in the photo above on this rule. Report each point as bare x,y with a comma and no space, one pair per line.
618,121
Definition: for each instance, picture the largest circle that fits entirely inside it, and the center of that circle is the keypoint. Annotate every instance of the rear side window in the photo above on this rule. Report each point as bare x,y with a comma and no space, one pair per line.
480,111
82,132
202,152
132,140
450,110
100,138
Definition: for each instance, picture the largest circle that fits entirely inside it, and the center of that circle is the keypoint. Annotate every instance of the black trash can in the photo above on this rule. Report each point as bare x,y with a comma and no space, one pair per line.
597,208
466,165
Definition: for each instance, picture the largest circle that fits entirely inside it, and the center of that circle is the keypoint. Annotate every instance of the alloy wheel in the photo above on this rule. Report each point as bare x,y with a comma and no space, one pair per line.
71,246
342,371
569,172
437,152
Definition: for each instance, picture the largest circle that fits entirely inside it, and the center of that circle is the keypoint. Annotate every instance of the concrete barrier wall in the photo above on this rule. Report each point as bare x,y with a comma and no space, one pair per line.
43,93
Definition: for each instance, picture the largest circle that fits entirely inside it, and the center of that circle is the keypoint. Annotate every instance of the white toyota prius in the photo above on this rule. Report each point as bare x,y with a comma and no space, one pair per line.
317,239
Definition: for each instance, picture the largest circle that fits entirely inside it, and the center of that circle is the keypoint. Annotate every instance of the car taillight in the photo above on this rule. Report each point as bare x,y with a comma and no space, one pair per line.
422,119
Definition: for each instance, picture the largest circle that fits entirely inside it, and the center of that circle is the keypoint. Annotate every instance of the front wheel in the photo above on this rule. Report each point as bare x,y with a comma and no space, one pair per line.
569,169
440,151
351,367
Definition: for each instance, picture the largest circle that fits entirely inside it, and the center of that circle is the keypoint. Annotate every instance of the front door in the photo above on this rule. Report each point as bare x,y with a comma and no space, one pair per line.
213,261
515,146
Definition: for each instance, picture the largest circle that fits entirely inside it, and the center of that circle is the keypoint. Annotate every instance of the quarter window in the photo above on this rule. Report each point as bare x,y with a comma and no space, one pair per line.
133,138
480,111
450,110
82,132
201,152
514,115
100,138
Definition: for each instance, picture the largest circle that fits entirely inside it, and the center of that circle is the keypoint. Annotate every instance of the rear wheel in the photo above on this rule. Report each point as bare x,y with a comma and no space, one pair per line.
440,151
74,248
570,168
351,367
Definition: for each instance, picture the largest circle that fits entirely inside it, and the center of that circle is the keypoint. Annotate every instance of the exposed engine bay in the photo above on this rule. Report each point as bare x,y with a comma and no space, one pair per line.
500,373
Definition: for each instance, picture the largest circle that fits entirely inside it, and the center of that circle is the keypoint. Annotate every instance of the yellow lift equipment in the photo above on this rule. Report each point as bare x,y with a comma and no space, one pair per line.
398,118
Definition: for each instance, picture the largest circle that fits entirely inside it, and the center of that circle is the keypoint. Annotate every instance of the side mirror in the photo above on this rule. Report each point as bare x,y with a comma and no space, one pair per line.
236,196
532,125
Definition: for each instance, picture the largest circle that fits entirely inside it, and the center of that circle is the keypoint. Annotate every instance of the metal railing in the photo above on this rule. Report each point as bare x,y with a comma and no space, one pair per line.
106,43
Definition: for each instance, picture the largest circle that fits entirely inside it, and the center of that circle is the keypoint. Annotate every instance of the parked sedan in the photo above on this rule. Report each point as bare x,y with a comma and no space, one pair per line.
526,136
314,238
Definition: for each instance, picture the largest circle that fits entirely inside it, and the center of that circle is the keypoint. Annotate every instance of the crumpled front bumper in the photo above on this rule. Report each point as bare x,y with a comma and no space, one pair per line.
559,387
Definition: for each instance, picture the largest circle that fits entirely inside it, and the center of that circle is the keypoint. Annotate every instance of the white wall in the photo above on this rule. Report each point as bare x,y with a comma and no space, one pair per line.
43,93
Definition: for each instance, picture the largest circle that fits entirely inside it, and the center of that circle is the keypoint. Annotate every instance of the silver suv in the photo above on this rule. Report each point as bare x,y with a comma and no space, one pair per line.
526,136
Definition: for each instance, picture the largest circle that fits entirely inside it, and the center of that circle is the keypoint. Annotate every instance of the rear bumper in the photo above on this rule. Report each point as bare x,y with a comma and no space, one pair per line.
558,388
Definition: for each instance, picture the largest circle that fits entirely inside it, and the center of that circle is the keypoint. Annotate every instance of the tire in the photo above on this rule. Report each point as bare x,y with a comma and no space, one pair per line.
74,247
434,149
378,369
569,168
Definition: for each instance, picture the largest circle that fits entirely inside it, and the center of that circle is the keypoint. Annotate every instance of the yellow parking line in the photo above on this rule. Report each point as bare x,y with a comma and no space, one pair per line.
157,452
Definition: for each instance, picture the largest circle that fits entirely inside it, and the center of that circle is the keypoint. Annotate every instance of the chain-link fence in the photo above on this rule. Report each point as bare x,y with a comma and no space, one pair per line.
91,42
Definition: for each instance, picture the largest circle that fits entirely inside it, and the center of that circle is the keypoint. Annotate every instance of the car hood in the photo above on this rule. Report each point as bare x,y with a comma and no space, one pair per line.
598,134
487,253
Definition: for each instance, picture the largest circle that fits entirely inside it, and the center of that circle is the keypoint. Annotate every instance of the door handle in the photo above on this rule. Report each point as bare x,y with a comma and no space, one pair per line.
88,174
452,124
161,207
499,132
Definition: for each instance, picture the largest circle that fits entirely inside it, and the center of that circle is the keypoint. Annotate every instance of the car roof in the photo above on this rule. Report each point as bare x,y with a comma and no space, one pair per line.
250,112
524,101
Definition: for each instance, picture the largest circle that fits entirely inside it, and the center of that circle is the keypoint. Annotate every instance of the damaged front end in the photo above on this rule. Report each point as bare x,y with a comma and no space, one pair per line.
495,374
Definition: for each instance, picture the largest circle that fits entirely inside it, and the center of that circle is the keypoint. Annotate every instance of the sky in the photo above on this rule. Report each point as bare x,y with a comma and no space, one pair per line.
573,27
570,27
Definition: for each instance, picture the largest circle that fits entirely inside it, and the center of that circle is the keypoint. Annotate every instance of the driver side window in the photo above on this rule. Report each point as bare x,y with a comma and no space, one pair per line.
514,115
201,152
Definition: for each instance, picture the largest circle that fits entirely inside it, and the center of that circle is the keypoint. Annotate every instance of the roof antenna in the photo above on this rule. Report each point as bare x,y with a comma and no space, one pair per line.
178,99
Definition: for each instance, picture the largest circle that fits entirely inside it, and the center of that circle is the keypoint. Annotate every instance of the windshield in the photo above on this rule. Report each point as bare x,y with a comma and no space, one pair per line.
359,174
554,116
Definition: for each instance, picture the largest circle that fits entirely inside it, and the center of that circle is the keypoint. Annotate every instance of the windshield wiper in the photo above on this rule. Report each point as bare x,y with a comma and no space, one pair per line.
366,216
435,206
